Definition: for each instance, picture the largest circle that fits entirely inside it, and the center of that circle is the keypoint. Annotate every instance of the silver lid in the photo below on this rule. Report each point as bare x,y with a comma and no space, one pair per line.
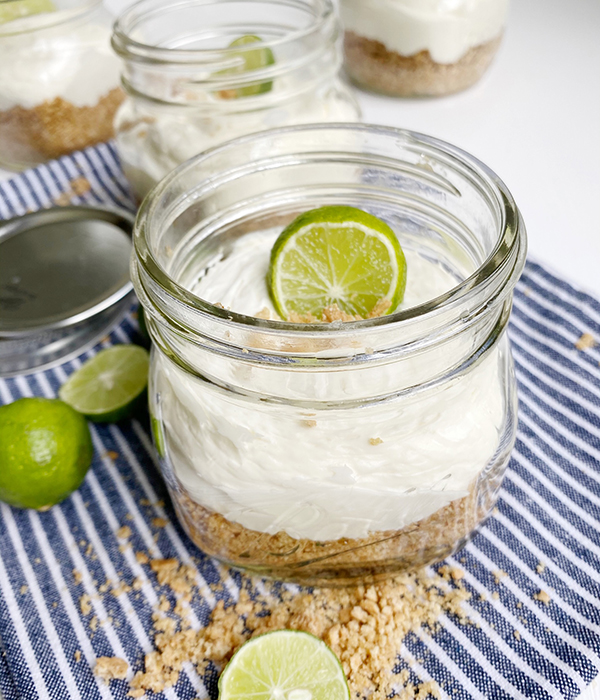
64,281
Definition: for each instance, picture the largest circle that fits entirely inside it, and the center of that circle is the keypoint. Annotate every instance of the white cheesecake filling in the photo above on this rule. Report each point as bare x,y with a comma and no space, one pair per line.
445,28
151,147
325,474
75,63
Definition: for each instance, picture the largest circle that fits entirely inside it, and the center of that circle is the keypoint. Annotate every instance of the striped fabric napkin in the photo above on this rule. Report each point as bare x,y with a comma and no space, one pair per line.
544,535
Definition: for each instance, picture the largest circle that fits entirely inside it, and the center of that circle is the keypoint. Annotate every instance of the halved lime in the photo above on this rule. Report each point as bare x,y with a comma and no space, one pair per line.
252,59
286,665
108,386
336,255
15,9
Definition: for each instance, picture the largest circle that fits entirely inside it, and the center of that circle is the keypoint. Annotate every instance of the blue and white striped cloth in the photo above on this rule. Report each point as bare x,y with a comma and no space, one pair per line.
545,533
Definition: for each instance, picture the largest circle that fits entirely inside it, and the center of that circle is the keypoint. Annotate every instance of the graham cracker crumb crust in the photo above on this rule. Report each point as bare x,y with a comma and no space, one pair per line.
55,128
372,65
342,561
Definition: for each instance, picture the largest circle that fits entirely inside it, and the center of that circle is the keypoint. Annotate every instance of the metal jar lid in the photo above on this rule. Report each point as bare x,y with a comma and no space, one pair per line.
64,282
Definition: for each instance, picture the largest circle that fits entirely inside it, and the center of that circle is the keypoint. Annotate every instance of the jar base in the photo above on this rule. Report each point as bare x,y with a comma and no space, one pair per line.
371,65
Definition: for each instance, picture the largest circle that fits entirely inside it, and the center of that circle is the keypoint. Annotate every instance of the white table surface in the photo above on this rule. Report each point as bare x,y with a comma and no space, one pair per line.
535,120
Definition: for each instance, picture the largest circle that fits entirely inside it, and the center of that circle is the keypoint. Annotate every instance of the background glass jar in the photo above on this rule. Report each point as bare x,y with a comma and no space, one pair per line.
421,47
189,89
332,452
59,79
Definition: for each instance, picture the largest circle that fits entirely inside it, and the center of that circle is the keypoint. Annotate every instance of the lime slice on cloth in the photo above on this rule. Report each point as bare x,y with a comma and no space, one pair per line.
45,452
15,9
336,256
252,59
286,665
108,386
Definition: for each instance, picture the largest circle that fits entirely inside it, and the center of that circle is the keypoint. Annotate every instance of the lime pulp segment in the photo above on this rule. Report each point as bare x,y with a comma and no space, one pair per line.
284,665
251,60
336,255
107,386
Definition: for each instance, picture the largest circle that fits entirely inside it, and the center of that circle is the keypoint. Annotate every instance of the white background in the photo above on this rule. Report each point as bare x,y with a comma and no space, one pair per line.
535,120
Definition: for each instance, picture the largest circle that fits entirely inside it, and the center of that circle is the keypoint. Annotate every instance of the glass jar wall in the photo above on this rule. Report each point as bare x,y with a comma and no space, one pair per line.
421,47
327,453
59,79
200,72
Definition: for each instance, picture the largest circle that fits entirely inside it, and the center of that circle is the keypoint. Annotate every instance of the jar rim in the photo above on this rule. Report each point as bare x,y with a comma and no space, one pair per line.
129,48
49,19
505,261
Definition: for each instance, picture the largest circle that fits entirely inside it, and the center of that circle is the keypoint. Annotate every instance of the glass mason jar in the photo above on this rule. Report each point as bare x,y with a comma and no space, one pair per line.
189,89
331,452
421,47
59,79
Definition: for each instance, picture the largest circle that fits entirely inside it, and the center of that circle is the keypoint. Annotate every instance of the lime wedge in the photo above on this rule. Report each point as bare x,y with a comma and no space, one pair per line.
286,665
253,59
336,256
15,9
107,387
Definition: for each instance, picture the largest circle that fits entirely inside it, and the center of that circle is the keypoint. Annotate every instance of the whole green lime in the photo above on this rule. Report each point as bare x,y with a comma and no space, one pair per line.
45,452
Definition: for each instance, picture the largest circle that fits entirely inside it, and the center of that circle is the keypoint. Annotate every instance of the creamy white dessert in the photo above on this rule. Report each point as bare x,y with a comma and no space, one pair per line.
322,474
73,63
152,146
447,29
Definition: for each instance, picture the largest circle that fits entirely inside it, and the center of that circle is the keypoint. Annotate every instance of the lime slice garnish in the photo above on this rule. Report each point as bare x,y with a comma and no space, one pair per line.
336,256
286,664
107,387
252,59
16,9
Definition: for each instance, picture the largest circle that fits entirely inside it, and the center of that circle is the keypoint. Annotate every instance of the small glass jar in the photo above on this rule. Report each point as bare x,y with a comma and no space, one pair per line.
190,89
329,453
59,79
421,47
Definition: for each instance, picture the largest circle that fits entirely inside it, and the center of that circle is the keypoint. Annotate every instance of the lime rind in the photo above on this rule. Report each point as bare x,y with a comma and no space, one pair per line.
283,664
336,255
109,386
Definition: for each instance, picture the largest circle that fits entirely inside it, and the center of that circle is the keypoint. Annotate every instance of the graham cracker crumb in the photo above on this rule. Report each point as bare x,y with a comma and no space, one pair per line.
380,308
141,558
542,596
110,667
24,588
89,550
159,522
77,655
85,604
519,604
136,693
309,423
375,441
80,185
94,623
517,634
585,341
495,595
364,625
540,568
124,532
498,575
111,454
77,577
179,577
